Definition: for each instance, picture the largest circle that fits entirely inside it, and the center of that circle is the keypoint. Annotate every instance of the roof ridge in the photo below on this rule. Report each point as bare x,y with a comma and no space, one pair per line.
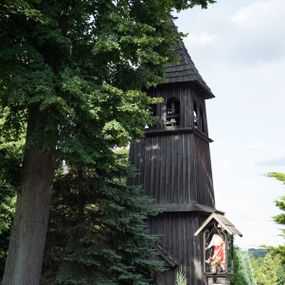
175,72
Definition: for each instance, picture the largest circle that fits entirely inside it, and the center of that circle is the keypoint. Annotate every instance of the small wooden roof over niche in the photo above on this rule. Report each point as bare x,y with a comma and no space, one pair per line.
222,221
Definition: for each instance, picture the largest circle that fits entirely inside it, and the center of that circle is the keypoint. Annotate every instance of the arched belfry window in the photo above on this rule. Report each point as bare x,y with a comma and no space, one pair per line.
173,112
202,120
195,114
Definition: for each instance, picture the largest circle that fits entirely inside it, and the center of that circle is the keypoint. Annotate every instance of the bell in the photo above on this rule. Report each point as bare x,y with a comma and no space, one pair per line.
172,122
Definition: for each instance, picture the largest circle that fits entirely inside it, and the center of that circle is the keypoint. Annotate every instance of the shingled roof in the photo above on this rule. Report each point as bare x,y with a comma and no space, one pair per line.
185,71
223,222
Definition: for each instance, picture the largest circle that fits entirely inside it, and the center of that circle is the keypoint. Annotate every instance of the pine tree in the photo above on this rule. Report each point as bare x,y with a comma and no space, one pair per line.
279,251
268,270
103,238
243,274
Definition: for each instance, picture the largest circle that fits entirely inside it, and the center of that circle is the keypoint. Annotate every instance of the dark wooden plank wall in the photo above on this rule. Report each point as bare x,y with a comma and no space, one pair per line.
176,233
174,169
167,277
205,188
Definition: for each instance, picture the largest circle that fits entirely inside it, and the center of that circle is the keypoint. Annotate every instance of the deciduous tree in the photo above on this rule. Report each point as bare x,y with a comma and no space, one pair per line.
11,146
72,73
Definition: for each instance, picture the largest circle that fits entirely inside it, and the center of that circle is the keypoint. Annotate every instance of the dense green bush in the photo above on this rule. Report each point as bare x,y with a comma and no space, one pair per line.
243,270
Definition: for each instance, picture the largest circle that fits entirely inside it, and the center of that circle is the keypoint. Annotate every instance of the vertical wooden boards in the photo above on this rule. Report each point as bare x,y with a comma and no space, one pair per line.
176,232
166,278
204,173
174,169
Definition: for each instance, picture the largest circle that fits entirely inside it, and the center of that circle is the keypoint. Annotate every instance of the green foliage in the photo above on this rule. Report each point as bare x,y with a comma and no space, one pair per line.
249,269
181,277
277,254
97,232
268,270
23,7
11,147
72,60
7,207
280,273
280,218
243,270
279,176
77,69
10,157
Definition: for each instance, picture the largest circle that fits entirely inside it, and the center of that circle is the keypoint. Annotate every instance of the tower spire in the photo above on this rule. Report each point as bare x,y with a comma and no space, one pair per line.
185,70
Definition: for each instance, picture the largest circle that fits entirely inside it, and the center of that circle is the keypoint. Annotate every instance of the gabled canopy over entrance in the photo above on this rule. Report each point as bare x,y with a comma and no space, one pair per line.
222,221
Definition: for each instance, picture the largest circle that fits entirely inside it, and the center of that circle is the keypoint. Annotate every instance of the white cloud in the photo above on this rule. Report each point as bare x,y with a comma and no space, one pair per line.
264,18
258,9
200,39
259,29
244,35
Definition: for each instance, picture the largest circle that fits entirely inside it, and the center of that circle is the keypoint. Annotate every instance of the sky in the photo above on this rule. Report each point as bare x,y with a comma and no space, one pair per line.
238,47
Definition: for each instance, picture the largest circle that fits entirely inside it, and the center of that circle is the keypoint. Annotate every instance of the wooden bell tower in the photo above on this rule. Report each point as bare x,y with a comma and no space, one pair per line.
174,168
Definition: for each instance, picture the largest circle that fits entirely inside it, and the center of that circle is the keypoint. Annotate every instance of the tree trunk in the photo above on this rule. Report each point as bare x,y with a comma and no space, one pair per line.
27,241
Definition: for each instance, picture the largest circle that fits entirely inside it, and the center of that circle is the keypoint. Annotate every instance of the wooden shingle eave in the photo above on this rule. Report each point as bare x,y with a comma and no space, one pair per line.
223,221
185,71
